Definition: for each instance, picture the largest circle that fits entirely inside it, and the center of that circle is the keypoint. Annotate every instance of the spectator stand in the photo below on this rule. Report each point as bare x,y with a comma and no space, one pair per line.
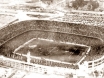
16,29
34,67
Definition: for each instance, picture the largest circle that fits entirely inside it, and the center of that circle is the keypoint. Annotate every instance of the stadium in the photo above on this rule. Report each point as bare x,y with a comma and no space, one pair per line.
39,43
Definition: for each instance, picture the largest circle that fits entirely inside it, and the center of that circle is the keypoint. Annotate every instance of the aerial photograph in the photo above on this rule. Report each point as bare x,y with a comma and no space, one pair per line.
51,39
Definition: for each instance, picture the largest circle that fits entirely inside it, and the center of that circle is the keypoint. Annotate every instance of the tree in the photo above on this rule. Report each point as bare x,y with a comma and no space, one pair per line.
78,3
91,4
94,4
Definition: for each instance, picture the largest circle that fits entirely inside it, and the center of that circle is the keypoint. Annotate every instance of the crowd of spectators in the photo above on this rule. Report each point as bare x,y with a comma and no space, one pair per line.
41,61
7,73
75,29
54,64
37,67
59,30
85,18
11,73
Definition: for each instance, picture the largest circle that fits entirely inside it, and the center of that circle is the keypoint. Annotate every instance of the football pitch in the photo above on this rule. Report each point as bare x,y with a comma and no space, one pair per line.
49,49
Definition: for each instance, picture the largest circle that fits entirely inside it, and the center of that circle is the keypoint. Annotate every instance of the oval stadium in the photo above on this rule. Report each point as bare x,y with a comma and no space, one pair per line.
36,42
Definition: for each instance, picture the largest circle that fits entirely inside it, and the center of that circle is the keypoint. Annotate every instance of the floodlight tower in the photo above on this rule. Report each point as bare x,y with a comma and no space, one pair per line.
28,57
